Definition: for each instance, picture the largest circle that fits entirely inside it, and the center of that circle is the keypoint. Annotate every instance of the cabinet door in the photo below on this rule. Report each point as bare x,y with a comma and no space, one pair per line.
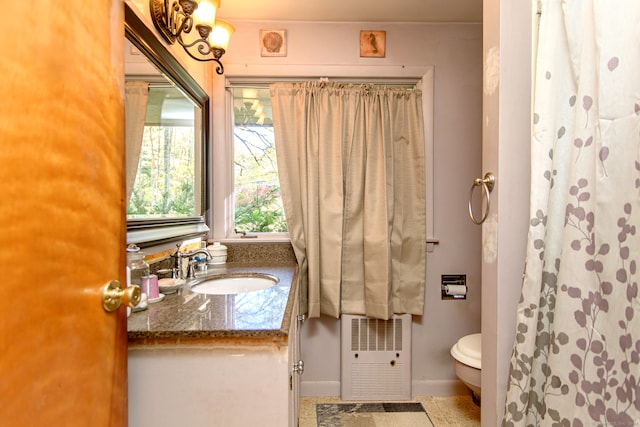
297,367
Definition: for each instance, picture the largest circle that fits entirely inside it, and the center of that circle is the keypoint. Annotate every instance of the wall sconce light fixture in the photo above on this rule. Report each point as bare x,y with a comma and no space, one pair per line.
176,18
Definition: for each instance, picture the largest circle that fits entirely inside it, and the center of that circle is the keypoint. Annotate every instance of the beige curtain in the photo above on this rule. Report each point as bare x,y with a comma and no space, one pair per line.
351,168
136,96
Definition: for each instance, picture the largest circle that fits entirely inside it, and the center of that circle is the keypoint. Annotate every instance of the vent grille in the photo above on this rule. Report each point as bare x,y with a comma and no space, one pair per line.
375,358
376,335
375,379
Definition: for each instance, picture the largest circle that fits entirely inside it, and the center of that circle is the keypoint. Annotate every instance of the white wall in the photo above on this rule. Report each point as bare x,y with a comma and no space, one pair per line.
506,152
332,49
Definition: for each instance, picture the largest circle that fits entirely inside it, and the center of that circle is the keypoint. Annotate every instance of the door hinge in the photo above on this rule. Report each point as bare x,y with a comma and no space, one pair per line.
298,367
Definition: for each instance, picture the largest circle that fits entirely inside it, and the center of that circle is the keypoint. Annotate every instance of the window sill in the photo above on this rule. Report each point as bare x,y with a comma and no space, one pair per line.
259,238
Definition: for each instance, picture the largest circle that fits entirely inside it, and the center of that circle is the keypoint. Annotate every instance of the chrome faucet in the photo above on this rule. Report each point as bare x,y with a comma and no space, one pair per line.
192,263
178,256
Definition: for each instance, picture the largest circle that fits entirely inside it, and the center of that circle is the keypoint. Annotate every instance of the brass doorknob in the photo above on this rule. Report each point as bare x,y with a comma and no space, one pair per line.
113,295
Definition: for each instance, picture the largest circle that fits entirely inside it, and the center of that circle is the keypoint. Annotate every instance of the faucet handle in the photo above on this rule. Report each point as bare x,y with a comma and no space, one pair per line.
177,252
176,271
192,269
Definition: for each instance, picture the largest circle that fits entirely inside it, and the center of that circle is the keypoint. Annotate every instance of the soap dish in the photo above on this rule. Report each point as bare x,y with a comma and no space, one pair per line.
152,300
170,286
142,305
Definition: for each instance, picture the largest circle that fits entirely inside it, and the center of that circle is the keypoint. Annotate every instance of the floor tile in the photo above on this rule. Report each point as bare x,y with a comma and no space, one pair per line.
450,411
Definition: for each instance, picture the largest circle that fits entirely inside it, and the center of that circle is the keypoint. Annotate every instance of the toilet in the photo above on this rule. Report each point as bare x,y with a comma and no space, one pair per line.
468,362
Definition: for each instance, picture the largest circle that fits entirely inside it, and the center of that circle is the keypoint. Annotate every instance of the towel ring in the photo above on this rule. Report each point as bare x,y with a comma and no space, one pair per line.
487,184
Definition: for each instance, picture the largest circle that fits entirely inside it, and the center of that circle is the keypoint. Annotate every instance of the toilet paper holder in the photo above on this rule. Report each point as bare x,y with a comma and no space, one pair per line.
454,286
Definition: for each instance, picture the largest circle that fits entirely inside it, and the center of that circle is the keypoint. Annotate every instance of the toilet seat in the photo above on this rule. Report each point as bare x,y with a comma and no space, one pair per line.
468,350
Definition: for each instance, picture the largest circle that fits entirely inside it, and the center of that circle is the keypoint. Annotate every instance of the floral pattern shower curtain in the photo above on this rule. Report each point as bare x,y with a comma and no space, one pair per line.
576,358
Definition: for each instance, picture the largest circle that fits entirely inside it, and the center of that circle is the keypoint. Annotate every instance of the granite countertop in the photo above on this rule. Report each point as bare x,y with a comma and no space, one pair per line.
186,315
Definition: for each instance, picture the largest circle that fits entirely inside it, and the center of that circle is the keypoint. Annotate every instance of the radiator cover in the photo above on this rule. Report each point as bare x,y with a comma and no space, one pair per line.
376,358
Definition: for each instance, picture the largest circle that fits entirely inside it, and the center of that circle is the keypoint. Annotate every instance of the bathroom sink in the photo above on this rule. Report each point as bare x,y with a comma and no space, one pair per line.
233,283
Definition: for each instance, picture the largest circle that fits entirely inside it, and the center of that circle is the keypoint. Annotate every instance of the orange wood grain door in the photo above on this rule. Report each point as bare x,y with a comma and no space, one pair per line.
62,219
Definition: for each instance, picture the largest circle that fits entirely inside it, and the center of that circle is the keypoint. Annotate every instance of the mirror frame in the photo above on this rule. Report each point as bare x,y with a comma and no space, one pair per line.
149,232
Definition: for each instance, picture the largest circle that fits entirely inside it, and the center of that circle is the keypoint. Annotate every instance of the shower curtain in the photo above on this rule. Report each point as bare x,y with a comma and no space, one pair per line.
351,169
576,357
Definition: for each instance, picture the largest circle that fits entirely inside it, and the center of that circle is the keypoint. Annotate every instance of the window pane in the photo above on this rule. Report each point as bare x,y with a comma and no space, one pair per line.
257,202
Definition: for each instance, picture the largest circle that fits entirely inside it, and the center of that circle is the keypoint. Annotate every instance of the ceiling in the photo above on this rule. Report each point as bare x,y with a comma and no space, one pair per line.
353,10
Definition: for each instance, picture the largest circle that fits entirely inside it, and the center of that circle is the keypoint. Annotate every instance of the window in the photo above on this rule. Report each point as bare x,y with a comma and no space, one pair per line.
256,189
244,94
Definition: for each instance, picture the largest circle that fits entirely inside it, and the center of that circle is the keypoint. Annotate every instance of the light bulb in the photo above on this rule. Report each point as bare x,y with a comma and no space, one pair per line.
205,14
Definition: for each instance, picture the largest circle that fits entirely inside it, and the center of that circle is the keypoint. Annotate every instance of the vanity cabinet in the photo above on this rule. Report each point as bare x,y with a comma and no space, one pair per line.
211,385
231,376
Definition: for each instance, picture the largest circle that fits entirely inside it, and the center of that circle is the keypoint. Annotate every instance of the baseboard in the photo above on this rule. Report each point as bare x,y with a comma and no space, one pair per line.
438,388
419,388
319,388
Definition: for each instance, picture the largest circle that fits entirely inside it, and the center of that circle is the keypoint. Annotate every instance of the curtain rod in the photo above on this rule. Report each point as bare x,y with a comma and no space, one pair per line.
260,83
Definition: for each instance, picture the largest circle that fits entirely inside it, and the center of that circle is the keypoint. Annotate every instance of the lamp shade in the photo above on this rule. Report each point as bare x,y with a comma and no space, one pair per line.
205,14
221,34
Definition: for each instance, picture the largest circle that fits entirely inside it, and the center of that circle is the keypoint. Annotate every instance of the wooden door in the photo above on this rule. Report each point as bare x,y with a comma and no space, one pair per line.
62,220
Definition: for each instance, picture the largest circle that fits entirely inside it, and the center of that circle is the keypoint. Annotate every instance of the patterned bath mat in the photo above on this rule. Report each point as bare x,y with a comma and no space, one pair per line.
406,414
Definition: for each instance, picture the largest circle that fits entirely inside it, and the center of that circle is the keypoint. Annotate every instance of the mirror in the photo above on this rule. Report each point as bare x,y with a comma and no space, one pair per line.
166,132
